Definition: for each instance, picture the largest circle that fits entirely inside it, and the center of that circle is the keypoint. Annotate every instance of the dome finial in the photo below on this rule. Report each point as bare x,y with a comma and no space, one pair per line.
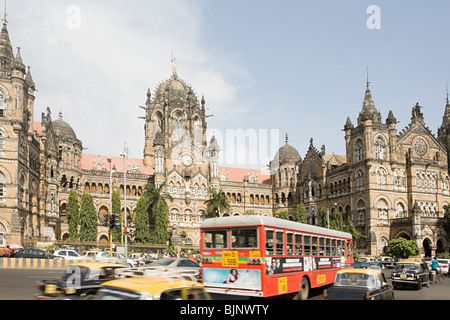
287,138
5,21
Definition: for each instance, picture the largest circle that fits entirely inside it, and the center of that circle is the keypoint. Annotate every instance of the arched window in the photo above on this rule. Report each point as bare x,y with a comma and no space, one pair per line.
381,174
2,105
2,142
382,209
2,186
361,212
358,151
380,148
399,210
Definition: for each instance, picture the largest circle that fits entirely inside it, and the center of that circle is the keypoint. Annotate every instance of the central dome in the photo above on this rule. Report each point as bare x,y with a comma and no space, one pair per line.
63,130
175,92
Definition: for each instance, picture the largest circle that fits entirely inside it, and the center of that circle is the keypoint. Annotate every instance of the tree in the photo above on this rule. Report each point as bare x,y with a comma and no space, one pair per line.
141,222
337,221
158,209
73,215
300,214
402,248
88,219
250,213
283,215
217,203
323,217
353,231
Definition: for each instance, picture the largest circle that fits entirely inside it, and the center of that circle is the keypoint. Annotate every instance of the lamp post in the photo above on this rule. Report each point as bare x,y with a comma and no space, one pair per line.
124,154
110,203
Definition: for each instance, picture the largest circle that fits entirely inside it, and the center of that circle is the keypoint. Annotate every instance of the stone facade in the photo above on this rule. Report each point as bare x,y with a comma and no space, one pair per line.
389,183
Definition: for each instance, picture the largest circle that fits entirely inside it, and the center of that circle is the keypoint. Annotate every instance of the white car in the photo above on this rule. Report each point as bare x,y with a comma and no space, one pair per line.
443,265
68,254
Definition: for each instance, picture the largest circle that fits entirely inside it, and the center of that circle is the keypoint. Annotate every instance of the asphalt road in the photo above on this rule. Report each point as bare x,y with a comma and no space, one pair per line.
20,284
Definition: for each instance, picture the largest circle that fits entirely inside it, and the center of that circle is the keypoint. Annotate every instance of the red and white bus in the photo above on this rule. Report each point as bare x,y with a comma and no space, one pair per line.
263,256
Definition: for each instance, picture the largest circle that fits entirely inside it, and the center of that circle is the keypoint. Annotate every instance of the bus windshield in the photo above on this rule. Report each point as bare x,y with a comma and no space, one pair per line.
215,239
244,238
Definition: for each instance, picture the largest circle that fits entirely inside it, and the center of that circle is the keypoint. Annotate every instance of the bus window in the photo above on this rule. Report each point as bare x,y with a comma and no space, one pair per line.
244,238
315,246
298,244
333,246
328,246
349,249
307,240
280,242
215,239
321,246
270,250
290,243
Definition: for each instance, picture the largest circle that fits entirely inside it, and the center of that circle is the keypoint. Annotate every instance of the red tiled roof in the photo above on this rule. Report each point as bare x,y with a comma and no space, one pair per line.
88,161
37,126
238,174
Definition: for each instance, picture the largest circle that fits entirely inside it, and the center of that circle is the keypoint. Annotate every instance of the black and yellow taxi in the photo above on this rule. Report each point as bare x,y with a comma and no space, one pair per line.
411,273
359,284
79,280
152,288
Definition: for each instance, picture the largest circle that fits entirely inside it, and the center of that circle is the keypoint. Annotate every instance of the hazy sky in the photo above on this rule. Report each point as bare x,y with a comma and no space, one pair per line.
266,68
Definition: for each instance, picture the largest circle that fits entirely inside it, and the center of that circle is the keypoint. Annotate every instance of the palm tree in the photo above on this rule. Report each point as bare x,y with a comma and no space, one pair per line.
158,209
217,203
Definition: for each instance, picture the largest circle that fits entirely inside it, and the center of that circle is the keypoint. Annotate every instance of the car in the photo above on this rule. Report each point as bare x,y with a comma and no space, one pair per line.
148,288
367,265
170,263
443,265
411,274
366,259
79,280
69,254
130,261
359,284
387,262
35,254
91,253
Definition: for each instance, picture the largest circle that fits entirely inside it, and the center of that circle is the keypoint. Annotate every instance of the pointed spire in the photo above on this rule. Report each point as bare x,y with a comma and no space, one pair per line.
391,119
29,80
18,63
368,108
348,124
287,139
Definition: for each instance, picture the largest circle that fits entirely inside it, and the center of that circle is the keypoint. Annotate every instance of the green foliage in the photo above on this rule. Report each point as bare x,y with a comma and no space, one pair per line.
73,215
157,205
443,255
402,248
337,221
446,220
283,215
323,217
88,219
141,222
354,232
250,213
217,203
300,214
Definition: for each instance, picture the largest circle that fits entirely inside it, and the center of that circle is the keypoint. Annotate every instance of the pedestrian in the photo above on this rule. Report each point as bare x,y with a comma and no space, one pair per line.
7,251
434,267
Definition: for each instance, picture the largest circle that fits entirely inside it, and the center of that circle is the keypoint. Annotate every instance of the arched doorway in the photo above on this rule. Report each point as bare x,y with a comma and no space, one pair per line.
426,243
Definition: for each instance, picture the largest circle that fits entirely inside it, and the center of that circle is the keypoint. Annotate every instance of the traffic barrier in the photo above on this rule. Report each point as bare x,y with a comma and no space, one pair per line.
30,263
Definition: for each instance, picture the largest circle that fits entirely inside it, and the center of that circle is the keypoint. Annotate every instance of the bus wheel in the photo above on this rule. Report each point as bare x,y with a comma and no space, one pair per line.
303,294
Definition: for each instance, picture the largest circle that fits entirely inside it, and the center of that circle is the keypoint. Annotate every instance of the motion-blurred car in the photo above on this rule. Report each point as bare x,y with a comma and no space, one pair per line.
80,280
35,254
146,288
359,284
69,254
411,273
170,263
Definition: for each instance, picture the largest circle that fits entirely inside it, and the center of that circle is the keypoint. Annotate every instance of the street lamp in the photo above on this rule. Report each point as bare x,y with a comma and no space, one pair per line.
110,201
124,154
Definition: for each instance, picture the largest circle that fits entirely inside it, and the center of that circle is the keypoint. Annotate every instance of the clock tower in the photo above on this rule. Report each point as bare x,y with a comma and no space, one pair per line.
176,148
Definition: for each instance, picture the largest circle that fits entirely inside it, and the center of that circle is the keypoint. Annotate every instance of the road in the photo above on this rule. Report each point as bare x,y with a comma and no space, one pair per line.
20,284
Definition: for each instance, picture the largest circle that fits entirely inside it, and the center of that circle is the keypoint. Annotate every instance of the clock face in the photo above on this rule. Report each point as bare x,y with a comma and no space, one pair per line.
420,146
186,160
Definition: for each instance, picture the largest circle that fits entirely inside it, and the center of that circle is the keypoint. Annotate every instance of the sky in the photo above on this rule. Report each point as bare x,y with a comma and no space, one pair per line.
266,68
